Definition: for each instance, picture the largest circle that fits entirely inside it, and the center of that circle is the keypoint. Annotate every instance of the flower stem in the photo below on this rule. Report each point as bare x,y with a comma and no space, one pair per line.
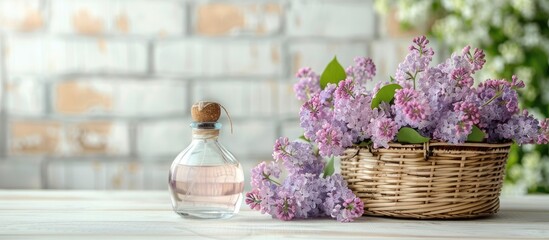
268,177
498,94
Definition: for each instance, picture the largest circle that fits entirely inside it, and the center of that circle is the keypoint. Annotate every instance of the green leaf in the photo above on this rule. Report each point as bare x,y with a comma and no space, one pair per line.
385,94
364,143
391,79
410,135
302,137
476,135
333,73
329,169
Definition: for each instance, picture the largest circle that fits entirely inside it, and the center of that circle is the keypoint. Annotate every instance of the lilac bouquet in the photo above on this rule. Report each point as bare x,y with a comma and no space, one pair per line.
421,103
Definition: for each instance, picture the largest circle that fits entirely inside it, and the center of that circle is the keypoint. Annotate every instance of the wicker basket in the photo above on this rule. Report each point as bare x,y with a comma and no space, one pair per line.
427,181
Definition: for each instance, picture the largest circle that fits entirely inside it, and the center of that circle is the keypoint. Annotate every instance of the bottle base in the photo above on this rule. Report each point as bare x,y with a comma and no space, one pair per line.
206,214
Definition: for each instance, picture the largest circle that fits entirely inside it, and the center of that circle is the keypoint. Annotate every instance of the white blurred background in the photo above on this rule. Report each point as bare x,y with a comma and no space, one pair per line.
96,93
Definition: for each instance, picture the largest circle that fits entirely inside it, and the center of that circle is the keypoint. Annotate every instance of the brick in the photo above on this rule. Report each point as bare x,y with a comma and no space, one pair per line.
318,54
97,137
291,129
20,173
149,18
120,97
176,136
237,19
250,139
83,17
288,105
156,176
48,137
341,19
124,17
54,55
387,54
390,27
25,96
40,137
163,138
96,175
22,15
241,98
209,58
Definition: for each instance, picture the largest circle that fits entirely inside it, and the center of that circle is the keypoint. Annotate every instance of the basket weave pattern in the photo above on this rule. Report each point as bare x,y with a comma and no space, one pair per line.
427,181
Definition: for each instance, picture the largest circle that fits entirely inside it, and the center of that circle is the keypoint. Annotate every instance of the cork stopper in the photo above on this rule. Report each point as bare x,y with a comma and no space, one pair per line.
206,111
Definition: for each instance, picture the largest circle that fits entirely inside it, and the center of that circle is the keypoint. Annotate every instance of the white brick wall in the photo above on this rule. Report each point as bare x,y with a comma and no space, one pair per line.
196,57
72,138
236,19
25,96
317,54
28,54
124,17
250,139
163,138
348,19
97,93
121,97
96,174
21,15
242,98
20,173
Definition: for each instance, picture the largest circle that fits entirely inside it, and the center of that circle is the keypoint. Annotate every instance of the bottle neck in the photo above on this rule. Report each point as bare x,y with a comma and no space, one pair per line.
205,134
205,130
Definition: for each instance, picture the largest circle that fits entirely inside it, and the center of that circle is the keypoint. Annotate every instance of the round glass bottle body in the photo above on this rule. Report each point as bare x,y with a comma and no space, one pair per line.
206,180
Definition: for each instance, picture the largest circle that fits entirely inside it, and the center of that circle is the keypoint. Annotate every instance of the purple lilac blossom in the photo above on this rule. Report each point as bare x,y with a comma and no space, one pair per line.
302,194
385,130
415,62
362,72
308,84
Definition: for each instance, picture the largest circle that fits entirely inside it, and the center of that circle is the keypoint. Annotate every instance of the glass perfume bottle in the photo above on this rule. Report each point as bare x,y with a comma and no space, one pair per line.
206,180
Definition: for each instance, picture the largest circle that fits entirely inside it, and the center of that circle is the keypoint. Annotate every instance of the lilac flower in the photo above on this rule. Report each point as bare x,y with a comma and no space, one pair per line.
415,112
308,84
341,203
451,129
331,141
349,210
415,62
253,200
362,72
543,137
476,59
279,151
404,96
298,157
285,207
313,115
385,130
499,100
523,128
462,77
308,191
345,89
264,173
470,112
302,194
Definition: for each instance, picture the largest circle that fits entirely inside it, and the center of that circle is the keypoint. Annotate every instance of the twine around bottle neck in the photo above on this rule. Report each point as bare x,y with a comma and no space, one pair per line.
205,133
205,130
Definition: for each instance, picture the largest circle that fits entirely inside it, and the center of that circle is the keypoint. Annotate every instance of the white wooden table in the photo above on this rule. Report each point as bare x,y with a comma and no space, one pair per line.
148,215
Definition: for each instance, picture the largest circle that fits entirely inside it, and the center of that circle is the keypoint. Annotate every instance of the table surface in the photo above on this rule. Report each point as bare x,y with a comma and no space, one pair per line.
148,215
